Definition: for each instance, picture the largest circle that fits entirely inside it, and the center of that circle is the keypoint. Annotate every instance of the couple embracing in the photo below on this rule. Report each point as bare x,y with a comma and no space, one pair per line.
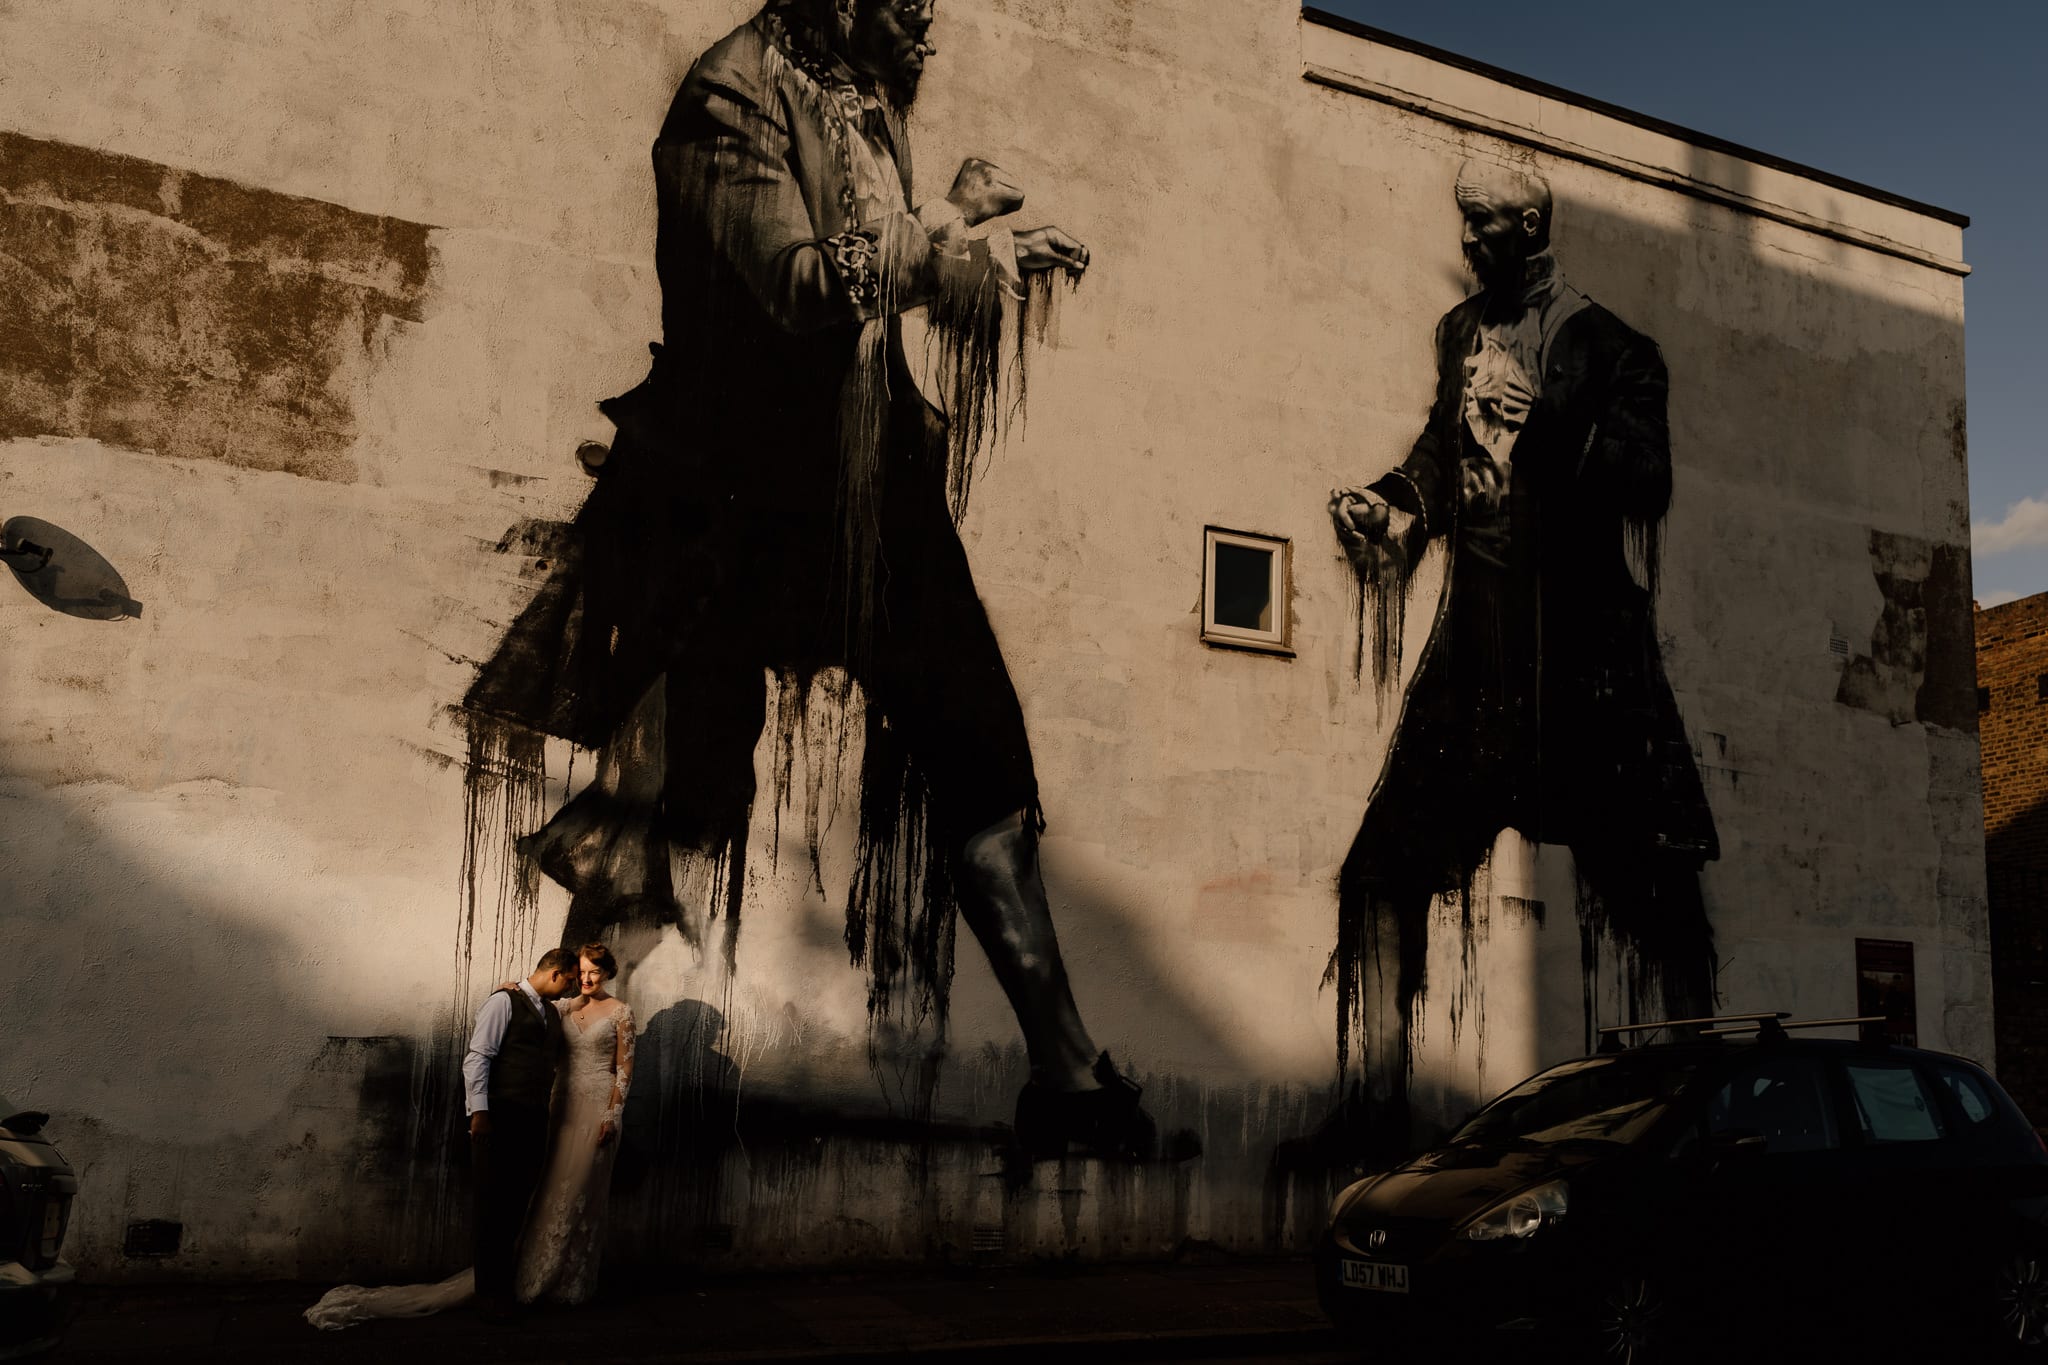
545,1081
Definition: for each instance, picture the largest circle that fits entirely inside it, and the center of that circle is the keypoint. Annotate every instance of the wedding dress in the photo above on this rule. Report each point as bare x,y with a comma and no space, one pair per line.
564,1237
352,1303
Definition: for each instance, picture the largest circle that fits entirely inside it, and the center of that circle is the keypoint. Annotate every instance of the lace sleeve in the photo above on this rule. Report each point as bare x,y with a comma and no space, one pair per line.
622,1064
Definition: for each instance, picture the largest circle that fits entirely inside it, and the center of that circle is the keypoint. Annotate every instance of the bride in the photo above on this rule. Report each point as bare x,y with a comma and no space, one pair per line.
558,1252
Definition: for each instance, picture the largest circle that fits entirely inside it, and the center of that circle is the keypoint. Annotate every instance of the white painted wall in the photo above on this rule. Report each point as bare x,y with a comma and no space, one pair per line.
234,825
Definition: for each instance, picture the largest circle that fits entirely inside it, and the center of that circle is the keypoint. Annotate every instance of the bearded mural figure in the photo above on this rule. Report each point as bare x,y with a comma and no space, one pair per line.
1541,705
781,502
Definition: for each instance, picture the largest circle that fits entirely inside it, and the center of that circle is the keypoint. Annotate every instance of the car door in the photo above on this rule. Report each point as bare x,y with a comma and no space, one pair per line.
1946,1171
1768,1182
1905,1170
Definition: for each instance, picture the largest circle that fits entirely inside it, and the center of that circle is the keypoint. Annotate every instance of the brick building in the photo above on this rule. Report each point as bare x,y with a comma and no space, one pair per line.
2012,731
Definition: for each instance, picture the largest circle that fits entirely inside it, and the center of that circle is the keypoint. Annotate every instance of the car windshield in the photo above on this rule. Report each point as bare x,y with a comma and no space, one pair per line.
1599,1099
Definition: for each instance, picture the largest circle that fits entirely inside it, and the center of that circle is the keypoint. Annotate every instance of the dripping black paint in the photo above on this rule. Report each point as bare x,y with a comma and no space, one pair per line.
780,507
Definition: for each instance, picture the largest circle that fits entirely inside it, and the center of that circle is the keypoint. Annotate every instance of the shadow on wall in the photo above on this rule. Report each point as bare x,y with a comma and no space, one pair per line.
342,1157
64,573
2019,958
709,1172
710,1168
188,1079
681,1116
715,1170
2022,841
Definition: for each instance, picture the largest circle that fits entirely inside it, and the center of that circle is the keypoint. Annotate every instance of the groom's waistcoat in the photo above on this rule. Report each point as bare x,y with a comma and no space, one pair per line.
523,1072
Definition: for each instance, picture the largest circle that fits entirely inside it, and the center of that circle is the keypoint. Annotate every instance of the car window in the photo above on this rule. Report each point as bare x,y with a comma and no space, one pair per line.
1892,1103
1606,1099
1969,1092
1782,1099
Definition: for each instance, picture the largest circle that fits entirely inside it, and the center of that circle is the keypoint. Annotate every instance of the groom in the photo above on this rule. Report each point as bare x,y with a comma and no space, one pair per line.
508,1075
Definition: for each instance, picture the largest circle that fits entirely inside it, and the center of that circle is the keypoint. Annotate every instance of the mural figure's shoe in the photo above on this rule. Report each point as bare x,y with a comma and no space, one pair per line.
1107,1122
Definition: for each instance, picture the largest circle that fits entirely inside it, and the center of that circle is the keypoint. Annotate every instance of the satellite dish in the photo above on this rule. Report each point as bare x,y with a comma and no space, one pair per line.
63,572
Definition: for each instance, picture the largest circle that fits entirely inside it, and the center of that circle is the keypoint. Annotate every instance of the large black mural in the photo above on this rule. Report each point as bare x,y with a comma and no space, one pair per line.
781,502
771,547
1541,704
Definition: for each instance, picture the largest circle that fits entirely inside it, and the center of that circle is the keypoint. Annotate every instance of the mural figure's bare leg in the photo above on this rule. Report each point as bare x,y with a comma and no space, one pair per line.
1075,1093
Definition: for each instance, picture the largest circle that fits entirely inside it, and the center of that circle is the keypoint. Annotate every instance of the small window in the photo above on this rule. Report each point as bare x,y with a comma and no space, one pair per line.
2041,687
1983,700
1892,1105
1244,590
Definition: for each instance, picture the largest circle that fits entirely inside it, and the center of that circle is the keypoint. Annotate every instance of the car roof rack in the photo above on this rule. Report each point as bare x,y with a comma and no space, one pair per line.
1611,1036
1781,1028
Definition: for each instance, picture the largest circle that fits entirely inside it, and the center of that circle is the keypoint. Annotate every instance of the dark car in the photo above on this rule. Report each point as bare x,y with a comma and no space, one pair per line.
1763,1195
36,1188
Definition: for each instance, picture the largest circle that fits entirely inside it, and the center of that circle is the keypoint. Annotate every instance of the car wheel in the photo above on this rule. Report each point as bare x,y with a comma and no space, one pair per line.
2019,1301
1630,1323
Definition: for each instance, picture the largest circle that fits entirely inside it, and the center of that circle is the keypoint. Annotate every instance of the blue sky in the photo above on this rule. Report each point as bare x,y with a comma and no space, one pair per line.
1938,102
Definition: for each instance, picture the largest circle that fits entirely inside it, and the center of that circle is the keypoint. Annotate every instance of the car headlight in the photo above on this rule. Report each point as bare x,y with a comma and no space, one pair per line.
1523,1216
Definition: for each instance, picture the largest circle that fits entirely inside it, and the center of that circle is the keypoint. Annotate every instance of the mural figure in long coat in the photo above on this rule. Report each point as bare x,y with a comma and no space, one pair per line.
781,502
1542,705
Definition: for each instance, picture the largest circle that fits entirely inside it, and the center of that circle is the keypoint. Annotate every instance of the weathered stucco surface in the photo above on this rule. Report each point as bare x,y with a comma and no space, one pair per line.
187,315
301,422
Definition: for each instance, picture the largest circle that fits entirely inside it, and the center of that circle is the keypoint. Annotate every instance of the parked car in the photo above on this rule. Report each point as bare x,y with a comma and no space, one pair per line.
36,1189
1741,1190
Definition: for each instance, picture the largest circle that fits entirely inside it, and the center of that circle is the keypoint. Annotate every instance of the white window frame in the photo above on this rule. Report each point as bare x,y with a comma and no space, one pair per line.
1275,641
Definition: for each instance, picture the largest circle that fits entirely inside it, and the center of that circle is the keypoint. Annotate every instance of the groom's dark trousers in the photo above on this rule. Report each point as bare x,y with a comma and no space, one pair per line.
508,1160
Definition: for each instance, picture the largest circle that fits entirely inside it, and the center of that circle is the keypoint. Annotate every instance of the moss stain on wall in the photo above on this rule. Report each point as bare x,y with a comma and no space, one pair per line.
188,315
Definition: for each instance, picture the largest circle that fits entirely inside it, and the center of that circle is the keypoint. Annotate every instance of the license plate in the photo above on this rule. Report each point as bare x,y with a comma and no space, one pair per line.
1389,1279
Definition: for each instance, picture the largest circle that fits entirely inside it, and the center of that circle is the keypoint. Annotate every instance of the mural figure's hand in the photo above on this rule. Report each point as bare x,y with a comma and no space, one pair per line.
1480,483
982,191
1373,532
480,1123
606,1131
508,985
1047,248
1356,512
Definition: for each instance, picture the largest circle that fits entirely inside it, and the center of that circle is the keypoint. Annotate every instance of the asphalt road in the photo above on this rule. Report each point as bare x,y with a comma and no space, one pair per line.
1228,1310
1300,1357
